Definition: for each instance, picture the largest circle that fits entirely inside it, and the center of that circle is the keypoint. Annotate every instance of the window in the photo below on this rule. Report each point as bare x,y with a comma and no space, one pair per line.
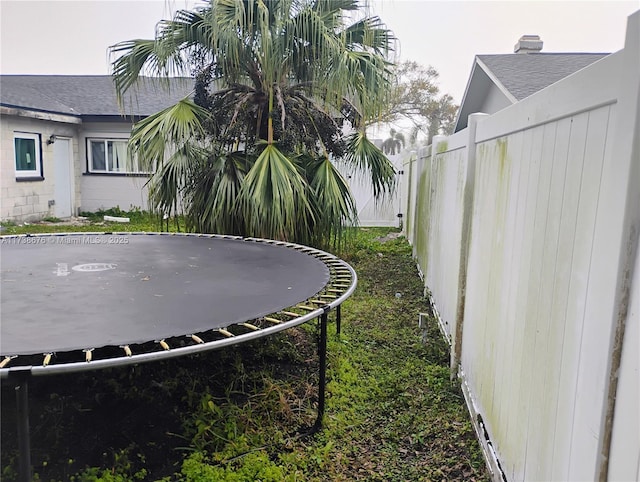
109,156
27,155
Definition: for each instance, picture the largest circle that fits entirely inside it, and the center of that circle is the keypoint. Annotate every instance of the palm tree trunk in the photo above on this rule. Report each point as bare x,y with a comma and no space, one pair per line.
270,118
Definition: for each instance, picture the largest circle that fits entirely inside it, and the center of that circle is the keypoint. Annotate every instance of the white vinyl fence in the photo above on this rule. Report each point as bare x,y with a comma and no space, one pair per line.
525,226
383,213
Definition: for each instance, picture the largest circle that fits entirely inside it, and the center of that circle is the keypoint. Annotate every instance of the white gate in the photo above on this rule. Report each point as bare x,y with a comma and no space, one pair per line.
63,181
371,213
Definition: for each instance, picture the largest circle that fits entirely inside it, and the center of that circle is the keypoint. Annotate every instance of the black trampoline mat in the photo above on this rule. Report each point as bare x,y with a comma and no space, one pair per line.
71,292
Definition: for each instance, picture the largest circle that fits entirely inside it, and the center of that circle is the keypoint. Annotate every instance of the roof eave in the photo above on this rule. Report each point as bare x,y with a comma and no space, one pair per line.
113,117
20,111
496,81
468,91
464,96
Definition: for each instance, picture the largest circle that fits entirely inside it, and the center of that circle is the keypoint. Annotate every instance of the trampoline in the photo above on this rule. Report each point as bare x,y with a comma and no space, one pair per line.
85,301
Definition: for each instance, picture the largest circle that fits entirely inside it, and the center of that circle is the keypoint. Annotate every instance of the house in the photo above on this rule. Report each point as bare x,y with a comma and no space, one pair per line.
63,143
498,81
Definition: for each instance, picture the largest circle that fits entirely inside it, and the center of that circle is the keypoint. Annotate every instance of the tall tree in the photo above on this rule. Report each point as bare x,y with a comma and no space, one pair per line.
416,97
394,143
275,82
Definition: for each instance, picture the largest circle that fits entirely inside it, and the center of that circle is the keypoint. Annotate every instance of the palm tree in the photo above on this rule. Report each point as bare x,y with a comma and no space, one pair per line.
275,81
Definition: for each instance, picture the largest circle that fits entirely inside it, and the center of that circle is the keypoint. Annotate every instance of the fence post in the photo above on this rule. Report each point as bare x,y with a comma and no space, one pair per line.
626,153
406,207
434,145
456,333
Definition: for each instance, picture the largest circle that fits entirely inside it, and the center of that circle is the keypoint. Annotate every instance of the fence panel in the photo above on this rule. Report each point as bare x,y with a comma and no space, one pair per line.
381,213
448,175
529,428
546,286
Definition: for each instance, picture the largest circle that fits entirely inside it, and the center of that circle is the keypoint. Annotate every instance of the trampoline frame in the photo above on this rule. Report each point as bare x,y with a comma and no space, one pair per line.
341,284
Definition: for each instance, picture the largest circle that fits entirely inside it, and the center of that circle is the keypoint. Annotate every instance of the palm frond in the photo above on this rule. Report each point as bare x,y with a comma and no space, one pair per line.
274,196
213,196
336,206
168,182
370,32
365,156
166,54
155,136
136,57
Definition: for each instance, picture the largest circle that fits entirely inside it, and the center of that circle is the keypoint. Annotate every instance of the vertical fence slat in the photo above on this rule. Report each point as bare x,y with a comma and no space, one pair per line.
502,390
510,452
549,359
539,274
587,405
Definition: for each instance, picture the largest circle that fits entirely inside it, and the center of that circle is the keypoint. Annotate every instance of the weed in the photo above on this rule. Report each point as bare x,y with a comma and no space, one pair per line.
241,414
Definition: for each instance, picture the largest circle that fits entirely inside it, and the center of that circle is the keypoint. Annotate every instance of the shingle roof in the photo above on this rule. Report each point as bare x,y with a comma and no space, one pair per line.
88,95
516,76
526,74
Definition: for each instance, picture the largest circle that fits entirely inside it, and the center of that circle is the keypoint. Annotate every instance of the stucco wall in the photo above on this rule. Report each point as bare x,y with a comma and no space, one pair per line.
104,191
107,191
494,101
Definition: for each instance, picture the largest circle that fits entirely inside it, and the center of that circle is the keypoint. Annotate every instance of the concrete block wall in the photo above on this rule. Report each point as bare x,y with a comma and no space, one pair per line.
29,200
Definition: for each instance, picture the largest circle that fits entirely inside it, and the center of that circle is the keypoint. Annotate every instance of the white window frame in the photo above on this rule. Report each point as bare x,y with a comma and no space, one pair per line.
105,140
36,172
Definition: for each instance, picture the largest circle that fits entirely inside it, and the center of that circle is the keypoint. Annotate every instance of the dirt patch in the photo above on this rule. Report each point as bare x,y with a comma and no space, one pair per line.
72,221
389,237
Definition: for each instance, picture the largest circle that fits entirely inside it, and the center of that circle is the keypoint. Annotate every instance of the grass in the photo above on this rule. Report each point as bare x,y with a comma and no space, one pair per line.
243,413
94,222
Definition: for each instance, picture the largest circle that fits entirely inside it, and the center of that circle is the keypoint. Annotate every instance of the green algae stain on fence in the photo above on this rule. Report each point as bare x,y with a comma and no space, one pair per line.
461,178
423,213
502,146
442,147
503,189
493,192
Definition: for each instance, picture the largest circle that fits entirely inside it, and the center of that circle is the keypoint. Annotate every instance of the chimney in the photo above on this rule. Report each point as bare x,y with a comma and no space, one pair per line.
528,44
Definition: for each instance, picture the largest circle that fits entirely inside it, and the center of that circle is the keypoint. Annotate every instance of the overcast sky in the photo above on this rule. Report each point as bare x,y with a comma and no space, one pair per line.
71,37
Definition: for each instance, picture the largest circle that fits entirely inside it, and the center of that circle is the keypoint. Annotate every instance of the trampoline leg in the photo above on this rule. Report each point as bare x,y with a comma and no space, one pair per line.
338,320
22,399
322,355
